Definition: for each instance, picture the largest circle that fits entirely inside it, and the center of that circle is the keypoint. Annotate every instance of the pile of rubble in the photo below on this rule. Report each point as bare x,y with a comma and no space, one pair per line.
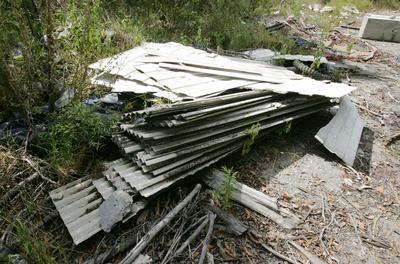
219,105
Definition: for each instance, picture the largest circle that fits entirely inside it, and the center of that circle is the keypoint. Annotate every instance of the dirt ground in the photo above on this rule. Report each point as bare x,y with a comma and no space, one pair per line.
349,215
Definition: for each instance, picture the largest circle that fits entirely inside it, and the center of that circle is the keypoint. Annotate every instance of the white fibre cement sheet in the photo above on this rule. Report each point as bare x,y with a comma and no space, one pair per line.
342,134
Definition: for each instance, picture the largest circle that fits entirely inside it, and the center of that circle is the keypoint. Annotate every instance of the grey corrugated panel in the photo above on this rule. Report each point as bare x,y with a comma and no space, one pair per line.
123,167
73,205
240,134
178,80
104,187
76,196
307,87
342,134
230,106
129,170
252,111
255,112
150,159
118,182
236,75
113,176
82,202
132,149
80,211
178,107
224,65
157,170
124,86
115,163
70,186
162,148
127,145
212,87
147,192
136,178
205,157
85,227
234,111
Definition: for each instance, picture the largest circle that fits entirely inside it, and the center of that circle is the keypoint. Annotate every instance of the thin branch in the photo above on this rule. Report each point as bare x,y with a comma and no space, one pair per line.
206,241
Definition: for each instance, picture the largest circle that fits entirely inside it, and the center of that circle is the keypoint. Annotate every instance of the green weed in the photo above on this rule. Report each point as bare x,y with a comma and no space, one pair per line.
252,132
286,129
34,250
223,193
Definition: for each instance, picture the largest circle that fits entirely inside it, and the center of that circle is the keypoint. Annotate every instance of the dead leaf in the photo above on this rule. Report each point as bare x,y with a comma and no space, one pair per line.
361,226
379,189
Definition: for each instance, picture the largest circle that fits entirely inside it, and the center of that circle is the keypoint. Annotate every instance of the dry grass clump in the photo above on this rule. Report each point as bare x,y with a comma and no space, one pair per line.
13,168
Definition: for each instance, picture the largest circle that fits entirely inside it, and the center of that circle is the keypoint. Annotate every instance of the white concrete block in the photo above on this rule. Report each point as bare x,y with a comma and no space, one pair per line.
378,27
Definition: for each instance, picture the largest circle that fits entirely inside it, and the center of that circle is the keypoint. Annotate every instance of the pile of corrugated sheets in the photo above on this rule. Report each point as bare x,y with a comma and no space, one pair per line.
172,142
178,72
218,104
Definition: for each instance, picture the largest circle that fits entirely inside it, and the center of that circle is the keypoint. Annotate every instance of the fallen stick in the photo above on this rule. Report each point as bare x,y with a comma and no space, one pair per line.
353,221
234,225
45,220
192,236
210,258
134,253
277,254
30,162
206,241
311,257
392,139
14,191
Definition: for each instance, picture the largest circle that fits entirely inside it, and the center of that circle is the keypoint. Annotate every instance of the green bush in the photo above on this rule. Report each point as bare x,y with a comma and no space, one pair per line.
75,130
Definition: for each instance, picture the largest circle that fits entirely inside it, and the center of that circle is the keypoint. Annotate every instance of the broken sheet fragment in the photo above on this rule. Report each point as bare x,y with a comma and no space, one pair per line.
342,134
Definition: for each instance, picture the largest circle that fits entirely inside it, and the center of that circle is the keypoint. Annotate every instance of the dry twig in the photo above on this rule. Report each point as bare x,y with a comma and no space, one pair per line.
192,236
134,253
206,241
279,255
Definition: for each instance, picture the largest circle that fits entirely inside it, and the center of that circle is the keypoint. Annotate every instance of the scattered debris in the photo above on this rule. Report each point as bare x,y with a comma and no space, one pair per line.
254,200
135,252
308,71
192,236
378,27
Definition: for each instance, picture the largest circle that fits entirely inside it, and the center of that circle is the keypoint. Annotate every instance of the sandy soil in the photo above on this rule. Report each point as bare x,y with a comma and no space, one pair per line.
349,215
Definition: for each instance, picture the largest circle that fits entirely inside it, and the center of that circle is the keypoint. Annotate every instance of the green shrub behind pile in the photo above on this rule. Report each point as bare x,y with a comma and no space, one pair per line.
75,132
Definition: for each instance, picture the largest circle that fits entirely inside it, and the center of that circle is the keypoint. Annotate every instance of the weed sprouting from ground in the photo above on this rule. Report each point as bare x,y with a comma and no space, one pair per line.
286,129
252,132
223,193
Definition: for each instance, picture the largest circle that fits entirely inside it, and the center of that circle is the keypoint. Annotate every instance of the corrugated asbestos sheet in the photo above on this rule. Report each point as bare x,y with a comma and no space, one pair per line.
165,144
342,134
78,202
175,71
